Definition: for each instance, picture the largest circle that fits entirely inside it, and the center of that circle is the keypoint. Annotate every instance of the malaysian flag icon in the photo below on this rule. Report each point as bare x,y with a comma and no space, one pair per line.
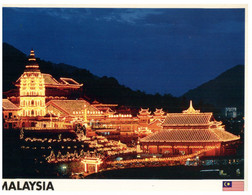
233,186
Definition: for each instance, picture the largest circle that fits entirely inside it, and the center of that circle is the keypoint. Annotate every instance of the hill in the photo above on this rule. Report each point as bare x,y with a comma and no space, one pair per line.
226,90
103,89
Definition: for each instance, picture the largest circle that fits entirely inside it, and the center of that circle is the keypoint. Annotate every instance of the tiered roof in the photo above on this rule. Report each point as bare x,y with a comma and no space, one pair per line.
191,135
190,129
8,105
32,65
159,112
144,112
189,117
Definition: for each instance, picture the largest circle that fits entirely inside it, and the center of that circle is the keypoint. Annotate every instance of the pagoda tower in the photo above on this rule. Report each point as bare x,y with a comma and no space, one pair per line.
144,116
32,89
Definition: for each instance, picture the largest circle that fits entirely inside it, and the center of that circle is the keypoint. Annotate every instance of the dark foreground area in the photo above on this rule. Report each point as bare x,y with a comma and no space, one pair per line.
21,160
175,172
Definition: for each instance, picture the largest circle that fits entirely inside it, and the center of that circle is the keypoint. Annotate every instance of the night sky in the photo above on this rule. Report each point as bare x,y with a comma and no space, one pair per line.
153,50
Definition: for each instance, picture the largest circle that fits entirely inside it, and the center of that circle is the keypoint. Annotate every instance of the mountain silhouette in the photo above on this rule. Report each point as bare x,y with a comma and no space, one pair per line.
225,90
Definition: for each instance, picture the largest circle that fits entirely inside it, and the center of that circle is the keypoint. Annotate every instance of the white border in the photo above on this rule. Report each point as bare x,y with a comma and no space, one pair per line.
147,185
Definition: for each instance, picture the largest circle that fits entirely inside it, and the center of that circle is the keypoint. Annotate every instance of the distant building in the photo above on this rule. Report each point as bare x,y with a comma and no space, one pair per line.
230,112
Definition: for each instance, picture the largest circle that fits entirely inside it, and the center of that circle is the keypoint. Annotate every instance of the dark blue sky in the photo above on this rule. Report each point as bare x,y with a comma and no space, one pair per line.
153,50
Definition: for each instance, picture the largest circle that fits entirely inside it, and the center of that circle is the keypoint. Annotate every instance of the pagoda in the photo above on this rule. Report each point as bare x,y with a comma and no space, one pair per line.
189,132
32,89
61,89
144,116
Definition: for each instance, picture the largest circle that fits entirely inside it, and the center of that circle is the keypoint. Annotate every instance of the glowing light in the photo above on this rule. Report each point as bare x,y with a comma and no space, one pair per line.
32,93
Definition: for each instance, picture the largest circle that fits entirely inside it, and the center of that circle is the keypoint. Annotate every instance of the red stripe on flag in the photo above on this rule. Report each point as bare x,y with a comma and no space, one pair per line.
236,186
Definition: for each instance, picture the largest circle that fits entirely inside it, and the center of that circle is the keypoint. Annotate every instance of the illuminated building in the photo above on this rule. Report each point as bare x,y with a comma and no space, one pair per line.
159,114
10,114
106,109
32,89
188,132
74,109
126,124
91,164
64,88
144,116
231,112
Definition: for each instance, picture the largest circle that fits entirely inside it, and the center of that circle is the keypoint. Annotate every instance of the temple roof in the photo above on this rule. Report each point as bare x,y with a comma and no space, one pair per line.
68,81
187,119
159,112
191,135
144,112
32,65
50,80
71,106
8,105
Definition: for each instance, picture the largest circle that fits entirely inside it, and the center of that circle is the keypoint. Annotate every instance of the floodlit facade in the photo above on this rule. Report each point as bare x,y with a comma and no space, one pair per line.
32,89
10,114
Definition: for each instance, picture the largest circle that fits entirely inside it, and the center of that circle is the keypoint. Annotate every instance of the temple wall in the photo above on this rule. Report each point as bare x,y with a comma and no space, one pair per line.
182,148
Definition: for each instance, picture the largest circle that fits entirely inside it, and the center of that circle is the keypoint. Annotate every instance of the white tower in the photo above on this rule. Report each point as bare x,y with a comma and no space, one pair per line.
32,89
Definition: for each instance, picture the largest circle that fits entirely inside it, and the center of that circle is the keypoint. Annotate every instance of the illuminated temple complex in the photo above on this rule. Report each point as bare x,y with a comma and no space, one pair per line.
42,102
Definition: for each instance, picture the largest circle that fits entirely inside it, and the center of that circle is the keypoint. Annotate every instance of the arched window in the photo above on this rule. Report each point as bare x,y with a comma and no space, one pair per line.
32,112
32,102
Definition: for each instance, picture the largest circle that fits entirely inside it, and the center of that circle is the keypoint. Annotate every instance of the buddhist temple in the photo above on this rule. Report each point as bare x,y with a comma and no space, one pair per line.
32,89
189,132
64,88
